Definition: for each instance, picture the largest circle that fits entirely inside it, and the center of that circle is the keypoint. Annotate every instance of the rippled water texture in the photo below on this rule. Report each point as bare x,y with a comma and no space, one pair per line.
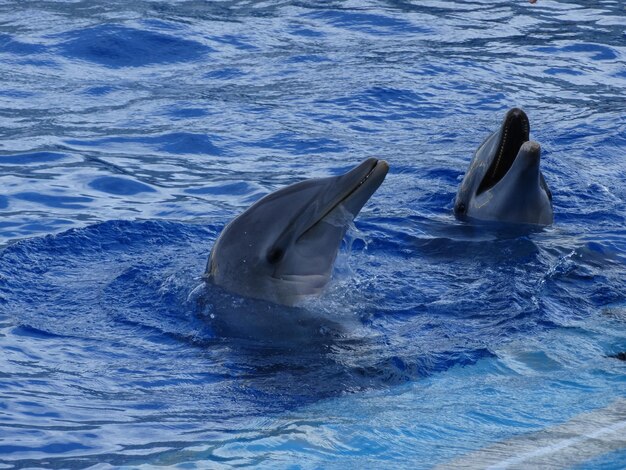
132,131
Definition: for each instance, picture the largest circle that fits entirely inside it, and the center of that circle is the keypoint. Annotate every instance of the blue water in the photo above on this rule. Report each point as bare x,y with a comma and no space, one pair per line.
132,131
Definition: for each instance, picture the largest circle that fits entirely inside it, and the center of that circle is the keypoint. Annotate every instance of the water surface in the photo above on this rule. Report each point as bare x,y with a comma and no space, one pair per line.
131,132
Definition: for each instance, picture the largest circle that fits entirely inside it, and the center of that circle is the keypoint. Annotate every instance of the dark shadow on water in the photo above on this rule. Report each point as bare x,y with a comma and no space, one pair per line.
11,45
30,158
118,46
455,240
59,202
119,186
300,355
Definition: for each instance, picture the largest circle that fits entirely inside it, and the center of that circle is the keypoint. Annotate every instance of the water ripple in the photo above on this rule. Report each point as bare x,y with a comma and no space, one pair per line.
132,131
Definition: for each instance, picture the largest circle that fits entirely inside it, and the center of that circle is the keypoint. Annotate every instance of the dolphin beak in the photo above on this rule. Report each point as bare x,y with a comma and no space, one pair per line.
529,153
361,183
526,165
524,176
350,191
514,132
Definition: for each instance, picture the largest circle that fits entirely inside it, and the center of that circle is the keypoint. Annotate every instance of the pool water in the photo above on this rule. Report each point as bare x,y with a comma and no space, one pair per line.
131,132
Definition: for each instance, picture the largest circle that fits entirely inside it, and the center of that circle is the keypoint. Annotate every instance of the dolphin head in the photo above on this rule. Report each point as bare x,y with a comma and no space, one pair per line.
504,182
284,246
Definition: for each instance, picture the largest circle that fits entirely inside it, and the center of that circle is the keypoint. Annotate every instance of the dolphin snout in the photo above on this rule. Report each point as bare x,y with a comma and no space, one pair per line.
531,147
384,166
529,155
516,112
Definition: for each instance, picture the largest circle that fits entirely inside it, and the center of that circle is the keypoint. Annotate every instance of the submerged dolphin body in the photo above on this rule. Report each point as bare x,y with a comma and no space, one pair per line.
283,247
504,182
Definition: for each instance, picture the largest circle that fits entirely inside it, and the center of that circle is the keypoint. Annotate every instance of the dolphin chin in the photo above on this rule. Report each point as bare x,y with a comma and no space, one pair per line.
283,247
504,182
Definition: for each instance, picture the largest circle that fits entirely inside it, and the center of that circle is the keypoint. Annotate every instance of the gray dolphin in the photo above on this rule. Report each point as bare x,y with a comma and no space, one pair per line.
283,247
504,182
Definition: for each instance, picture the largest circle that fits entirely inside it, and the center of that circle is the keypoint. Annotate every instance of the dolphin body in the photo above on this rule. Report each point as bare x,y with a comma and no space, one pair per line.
504,182
283,247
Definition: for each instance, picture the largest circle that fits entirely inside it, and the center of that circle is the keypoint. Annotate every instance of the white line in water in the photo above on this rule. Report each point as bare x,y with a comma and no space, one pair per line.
556,446
578,440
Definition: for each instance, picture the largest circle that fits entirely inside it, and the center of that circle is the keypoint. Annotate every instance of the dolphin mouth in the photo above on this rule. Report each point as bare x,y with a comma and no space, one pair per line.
514,132
376,167
360,184
339,202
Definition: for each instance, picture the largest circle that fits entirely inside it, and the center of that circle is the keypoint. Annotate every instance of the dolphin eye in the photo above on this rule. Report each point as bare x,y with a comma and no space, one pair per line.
275,255
460,208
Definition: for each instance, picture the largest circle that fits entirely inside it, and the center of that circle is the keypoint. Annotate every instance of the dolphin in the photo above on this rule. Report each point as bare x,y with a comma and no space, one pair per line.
504,182
283,247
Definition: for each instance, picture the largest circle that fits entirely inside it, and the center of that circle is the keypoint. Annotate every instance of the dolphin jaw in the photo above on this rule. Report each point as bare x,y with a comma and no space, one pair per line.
366,177
355,189
292,288
514,132
374,167
524,174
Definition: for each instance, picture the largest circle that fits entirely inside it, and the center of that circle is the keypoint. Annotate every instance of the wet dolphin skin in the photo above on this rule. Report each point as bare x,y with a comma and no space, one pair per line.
283,247
504,182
